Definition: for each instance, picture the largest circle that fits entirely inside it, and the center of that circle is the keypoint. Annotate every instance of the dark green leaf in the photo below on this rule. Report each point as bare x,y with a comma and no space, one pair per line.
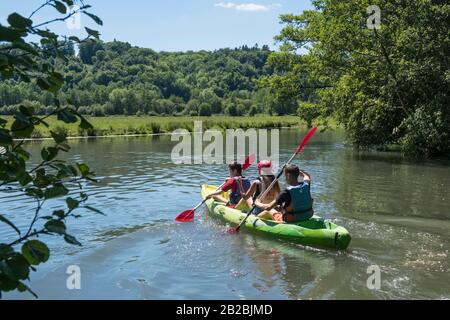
60,7
35,252
6,283
94,210
55,226
68,2
15,267
34,192
23,154
93,33
59,213
11,34
73,170
48,154
72,203
47,34
22,287
27,110
9,223
5,250
58,137
84,168
5,137
56,102
64,147
84,124
91,179
71,239
75,39
55,191
94,17
17,21
24,46
21,128
24,177
56,80
67,116
57,77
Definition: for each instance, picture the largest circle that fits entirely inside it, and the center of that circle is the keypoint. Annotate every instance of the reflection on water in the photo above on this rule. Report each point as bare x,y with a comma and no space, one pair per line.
397,211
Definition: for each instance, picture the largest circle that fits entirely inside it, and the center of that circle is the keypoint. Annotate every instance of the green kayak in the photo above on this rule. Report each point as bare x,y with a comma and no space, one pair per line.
315,232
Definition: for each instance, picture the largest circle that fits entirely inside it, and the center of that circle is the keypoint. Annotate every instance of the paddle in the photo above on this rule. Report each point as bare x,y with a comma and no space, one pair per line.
188,215
300,147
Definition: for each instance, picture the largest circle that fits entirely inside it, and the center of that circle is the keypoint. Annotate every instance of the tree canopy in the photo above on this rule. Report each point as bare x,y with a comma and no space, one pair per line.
111,78
387,84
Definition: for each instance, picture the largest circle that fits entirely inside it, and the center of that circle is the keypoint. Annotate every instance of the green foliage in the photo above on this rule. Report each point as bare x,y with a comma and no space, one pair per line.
387,86
35,68
115,78
205,109
309,112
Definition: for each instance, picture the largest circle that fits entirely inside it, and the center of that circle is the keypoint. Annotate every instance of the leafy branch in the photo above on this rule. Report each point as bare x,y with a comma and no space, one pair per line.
50,178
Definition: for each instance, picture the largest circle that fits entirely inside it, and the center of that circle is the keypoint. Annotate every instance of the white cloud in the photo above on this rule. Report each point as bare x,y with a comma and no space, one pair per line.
247,6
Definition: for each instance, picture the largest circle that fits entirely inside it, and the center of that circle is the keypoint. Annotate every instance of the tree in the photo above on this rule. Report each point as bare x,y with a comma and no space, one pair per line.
387,84
100,68
205,109
88,50
52,177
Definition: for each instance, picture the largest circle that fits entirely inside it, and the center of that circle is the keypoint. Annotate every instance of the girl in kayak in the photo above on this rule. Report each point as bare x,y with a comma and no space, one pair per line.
295,201
259,185
236,184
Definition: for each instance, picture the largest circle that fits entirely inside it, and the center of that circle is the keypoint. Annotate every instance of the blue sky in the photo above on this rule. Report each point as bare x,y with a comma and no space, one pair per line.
177,25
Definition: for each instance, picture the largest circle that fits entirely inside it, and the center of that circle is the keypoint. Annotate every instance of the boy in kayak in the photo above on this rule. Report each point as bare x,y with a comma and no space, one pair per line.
295,201
259,185
236,184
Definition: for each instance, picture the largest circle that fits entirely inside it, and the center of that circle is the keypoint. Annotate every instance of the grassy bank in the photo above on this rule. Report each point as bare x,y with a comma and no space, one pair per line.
128,125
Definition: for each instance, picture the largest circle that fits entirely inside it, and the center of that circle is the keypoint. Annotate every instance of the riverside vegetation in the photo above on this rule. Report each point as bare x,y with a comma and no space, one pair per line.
134,125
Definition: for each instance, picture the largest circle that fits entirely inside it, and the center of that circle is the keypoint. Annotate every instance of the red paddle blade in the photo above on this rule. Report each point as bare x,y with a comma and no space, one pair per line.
248,162
233,230
306,139
185,216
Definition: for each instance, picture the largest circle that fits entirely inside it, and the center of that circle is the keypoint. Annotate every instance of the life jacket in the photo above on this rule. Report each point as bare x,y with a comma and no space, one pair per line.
301,204
242,185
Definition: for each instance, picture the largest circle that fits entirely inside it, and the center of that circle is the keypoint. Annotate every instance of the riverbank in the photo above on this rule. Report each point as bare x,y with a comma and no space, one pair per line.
133,125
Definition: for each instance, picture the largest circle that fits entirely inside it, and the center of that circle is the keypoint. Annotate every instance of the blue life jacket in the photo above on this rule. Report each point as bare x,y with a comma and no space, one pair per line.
301,201
241,183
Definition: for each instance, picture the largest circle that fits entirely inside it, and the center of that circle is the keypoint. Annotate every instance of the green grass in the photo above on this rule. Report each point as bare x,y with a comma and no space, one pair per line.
132,125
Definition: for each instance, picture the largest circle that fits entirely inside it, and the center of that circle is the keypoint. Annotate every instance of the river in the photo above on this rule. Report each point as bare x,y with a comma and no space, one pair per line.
397,211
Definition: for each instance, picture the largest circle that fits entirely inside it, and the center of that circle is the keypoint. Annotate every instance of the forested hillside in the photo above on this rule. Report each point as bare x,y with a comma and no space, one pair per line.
115,78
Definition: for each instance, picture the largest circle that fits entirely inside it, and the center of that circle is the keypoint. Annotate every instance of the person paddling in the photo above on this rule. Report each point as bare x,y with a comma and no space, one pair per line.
259,185
237,184
296,201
